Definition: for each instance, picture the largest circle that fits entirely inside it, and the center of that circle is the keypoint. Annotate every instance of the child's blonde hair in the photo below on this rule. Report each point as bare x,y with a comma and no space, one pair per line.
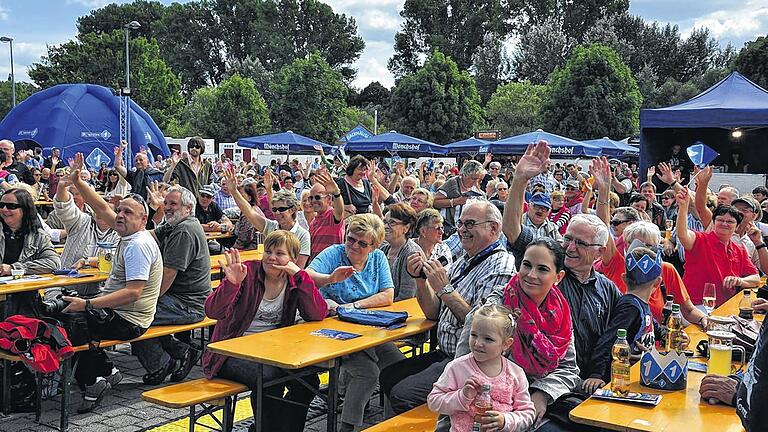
502,314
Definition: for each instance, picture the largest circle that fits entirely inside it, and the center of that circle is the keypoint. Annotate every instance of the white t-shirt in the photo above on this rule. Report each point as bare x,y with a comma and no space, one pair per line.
300,232
268,315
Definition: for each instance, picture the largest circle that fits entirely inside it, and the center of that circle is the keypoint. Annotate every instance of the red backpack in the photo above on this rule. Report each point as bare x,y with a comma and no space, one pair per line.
39,344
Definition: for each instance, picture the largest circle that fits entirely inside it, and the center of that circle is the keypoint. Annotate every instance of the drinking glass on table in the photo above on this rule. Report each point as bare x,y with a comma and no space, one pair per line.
710,298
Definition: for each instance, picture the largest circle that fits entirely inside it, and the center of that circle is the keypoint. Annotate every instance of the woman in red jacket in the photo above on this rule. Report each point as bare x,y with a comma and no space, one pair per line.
257,296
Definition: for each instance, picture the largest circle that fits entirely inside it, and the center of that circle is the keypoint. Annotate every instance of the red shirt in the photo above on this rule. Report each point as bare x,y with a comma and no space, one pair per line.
711,261
673,285
324,231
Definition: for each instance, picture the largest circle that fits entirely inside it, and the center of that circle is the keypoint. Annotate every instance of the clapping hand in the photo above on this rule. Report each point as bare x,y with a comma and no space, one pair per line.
470,388
665,173
155,195
230,179
234,270
269,179
342,273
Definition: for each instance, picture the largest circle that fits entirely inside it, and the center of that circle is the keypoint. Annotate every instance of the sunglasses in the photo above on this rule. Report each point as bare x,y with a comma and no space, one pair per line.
195,146
10,206
280,209
317,197
362,244
139,199
617,222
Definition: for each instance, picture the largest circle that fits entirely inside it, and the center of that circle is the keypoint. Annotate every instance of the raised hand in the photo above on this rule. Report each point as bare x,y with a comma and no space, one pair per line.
704,176
234,270
155,196
488,157
755,234
269,179
601,170
230,179
326,180
665,173
682,198
534,161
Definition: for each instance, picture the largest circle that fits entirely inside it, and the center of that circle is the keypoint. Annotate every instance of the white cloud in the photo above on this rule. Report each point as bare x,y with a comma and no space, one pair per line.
4,13
743,22
380,20
372,65
90,3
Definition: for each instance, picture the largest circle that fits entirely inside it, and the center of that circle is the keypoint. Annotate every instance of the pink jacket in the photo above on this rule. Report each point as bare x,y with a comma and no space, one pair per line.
509,392
235,306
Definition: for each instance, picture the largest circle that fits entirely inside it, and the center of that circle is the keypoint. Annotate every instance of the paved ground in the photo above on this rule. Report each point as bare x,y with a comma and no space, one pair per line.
122,410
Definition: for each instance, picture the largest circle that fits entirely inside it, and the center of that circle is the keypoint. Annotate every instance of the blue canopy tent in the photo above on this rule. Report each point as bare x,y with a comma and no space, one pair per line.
392,143
611,148
561,146
286,143
470,146
734,103
82,118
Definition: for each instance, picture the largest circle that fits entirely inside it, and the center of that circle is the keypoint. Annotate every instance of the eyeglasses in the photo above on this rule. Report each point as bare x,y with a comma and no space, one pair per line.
195,146
281,209
500,189
206,196
10,206
570,188
469,224
351,241
579,243
617,222
38,175
317,197
392,222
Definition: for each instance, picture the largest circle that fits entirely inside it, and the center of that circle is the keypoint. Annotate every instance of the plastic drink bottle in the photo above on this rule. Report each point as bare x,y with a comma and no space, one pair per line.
482,404
675,330
620,364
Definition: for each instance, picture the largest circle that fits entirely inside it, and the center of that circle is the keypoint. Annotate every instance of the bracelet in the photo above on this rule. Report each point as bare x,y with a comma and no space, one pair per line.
603,202
760,246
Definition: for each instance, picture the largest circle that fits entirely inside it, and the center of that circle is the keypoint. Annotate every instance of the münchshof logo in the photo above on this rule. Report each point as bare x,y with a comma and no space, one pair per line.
105,134
562,150
29,133
397,146
275,146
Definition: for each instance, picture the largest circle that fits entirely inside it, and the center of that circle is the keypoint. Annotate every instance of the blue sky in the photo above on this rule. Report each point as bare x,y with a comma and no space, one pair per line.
36,23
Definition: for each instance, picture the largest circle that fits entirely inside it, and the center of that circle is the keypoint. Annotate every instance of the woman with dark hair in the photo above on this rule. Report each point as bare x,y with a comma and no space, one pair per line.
712,257
641,204
544,345
24,244
115,185
355,187
398,224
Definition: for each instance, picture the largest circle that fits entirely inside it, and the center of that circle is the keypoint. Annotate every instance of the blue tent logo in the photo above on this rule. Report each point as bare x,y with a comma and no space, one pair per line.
96,157
29,133
105,134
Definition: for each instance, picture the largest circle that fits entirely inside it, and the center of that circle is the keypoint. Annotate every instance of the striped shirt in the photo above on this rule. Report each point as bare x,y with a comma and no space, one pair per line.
494,272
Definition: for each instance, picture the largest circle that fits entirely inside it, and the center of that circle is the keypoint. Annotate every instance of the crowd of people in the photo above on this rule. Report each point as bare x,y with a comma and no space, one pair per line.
528,272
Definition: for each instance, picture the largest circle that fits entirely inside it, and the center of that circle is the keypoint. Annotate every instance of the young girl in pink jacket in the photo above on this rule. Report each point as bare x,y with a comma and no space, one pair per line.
454,393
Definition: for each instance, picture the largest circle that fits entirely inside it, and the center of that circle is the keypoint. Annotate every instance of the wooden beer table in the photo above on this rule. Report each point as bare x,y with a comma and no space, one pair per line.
215,235
295,348
681,410
46,281
246,255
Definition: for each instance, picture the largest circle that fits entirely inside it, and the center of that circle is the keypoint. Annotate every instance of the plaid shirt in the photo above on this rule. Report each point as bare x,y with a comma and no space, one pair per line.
494,272
545,178
224,201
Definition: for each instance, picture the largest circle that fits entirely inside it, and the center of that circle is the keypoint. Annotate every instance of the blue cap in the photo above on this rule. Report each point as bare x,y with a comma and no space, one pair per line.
541,199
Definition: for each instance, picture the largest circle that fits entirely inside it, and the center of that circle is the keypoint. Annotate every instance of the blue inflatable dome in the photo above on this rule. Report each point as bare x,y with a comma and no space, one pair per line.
81,118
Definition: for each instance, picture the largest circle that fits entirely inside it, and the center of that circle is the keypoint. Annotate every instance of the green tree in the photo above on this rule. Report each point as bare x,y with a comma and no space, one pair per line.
23,91
594,95
454,27
541,50
515,108
100,59
752,61
230,111
373,94
438,103
310,98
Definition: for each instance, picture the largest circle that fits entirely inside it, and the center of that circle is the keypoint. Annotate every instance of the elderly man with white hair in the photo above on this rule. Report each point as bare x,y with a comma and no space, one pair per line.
407,186
184,288
447,295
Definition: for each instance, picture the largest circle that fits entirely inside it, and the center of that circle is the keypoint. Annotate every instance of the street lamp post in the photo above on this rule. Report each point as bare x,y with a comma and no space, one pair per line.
133,25
9,41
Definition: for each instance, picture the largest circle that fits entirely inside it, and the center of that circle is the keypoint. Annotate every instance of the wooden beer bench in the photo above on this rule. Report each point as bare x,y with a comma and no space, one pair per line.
419,419
67,367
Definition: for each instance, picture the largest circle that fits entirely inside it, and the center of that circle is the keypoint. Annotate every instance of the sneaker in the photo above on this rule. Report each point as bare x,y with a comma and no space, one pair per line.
158,377
191,358
114,378
93,395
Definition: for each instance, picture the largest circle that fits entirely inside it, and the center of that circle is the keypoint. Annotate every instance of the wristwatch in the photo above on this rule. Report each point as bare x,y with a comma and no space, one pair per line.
336,195
356,305
446,290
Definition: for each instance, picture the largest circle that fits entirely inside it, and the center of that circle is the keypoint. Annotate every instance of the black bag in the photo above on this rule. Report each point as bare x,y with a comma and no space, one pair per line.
22,387
76,325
